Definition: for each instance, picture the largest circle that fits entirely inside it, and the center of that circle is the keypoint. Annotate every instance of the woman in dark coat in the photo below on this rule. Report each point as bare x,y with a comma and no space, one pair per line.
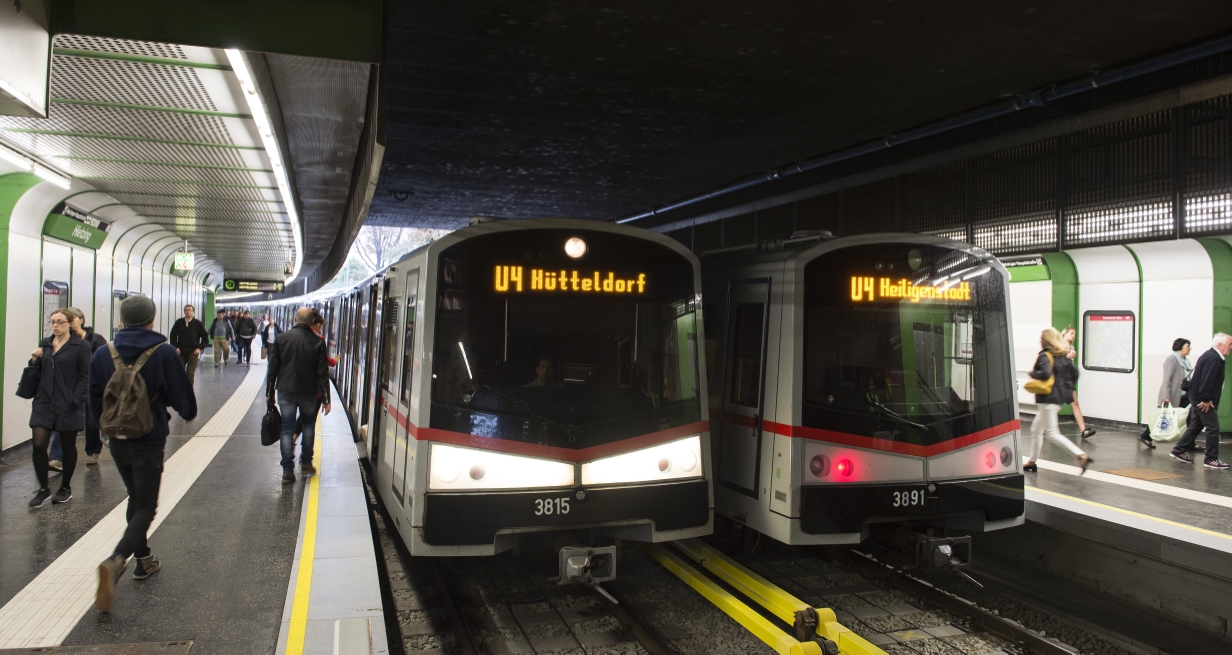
1053,363
59,405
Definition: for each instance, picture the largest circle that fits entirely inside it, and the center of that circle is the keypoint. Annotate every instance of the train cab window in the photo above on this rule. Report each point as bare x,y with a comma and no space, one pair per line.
905,342
532,345
746,354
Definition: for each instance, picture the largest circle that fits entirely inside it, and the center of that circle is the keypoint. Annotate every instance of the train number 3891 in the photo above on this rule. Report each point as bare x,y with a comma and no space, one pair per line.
908,498
549,506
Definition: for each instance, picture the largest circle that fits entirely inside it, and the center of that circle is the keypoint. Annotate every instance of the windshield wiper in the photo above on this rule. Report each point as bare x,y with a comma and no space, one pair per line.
570,430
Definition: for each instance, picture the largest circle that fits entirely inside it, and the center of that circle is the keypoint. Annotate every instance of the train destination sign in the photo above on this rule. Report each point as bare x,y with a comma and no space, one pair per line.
872,289
252,285
516,279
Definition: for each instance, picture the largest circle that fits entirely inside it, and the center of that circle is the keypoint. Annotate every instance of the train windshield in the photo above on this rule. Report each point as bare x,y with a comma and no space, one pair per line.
533,344
906,342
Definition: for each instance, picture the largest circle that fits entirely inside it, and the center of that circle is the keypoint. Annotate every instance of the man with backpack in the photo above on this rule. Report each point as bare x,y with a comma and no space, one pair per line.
131,384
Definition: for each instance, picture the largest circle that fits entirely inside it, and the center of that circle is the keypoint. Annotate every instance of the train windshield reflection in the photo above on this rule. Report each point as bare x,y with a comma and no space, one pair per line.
907,343
564,368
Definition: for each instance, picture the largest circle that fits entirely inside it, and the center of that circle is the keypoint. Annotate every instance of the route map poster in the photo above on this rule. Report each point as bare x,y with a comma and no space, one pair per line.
1108,341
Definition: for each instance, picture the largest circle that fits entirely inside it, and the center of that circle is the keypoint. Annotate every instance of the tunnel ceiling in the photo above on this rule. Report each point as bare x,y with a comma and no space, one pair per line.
602,110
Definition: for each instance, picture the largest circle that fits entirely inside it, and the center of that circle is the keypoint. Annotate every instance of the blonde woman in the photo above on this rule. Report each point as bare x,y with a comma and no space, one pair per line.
1053,362
1068,335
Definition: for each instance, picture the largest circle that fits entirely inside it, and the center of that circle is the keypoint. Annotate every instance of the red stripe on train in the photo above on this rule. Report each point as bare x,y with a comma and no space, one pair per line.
536,450
860,441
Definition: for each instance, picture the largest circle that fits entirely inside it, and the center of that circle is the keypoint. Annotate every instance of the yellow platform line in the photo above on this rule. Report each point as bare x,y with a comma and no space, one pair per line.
1129,513
303,582
772,597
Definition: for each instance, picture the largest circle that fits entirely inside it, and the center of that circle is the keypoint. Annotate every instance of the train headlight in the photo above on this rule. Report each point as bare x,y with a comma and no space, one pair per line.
485,469
575,247
670,461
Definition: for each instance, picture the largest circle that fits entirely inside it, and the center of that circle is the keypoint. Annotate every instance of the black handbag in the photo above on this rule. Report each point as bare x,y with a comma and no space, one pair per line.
30,376
271,426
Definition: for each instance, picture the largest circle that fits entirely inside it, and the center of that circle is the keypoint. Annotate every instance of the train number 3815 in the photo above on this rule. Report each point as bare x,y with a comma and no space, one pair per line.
549,506
908,498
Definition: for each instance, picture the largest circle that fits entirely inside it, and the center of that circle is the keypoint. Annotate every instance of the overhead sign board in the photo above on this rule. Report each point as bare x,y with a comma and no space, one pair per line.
65,227
82,216
183,261
252,285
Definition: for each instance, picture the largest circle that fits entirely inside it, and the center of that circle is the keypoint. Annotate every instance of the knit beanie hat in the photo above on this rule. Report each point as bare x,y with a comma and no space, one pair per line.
137,311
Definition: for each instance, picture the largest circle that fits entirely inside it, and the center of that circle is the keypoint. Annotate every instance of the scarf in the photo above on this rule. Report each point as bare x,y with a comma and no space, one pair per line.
1184,364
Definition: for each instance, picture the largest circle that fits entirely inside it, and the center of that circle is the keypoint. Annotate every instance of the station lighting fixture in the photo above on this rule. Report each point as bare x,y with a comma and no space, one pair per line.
670,461
27,164
575,247
458,469
265,127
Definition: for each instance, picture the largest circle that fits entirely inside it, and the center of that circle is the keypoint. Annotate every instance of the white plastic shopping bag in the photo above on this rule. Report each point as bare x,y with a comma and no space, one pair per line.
1169,422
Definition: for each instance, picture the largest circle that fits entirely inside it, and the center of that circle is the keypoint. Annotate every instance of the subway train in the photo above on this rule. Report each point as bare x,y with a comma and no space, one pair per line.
1128,304
529,376
862,385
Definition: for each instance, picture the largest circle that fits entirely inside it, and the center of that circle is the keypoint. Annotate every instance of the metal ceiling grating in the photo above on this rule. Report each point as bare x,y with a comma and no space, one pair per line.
180,173
128,82
54,145
120,46
155,186
122,121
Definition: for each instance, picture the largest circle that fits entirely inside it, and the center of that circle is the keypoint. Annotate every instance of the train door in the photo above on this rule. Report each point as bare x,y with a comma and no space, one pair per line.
384,428
357,355
402,437
373,336
742,405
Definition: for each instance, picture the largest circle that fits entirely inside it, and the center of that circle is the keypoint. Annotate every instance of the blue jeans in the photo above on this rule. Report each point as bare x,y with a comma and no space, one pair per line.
305,404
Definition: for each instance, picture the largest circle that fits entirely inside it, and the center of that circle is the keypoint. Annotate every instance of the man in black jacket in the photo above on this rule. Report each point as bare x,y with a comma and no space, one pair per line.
189,337
299,373
1205,388
140,461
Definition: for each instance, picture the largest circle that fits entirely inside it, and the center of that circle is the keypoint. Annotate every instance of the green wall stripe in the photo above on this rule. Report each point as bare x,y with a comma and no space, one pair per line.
169,110
139,59
1064,276
1141,323
1220,252
121,137
12,188
162,163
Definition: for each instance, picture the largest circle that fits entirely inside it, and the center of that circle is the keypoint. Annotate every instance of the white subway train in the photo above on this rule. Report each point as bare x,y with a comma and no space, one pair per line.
530,376
859,383
1128,304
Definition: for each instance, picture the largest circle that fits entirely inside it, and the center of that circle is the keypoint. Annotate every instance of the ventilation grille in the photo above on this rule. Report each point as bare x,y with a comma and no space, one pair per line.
128,82
1027,233
120,46
775,223
821,213
869,208
739,231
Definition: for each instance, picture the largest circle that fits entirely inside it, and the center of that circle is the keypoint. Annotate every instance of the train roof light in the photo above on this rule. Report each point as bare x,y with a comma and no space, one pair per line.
575,247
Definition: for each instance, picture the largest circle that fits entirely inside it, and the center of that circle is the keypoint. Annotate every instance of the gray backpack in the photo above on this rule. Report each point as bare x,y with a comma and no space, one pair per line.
126,402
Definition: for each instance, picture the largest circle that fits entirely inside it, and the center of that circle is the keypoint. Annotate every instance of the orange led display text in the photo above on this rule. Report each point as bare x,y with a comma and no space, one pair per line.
872,289
515,279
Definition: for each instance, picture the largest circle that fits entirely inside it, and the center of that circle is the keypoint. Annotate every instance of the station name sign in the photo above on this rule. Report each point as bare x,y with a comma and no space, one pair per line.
873,289
516,279
83,217
252,285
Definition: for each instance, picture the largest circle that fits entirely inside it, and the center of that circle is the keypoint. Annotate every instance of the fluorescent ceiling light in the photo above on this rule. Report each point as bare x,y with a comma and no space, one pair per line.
59,179
16,158
257,108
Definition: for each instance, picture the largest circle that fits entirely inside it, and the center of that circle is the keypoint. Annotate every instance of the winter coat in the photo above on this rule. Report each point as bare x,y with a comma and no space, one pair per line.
268,333
188,336
1206,385
165,380
1062,391
245,328
95,341
227,329
299,363
1170,388
60,402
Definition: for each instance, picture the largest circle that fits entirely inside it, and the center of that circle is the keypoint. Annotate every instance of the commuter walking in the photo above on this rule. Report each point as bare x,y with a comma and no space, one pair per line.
1052,362
59,404
1068,335
268,334
299,373
149,365
1205,389
245,332
1177,370
93,341
189,337
222,334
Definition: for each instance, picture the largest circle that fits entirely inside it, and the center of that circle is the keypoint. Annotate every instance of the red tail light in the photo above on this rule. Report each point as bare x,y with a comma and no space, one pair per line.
845,468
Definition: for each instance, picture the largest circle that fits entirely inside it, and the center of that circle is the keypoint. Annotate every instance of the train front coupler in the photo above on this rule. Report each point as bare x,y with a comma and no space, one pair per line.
588,566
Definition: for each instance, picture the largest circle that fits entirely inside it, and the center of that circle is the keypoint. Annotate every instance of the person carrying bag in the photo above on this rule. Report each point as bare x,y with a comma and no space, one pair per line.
59,404
1169,422
1050,382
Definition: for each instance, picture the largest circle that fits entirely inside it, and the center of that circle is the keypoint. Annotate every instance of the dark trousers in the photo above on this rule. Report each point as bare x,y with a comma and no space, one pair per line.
305,405
1205,422
245,348
141,468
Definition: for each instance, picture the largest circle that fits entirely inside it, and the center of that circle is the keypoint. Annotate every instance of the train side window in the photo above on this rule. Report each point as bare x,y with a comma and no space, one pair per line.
746,354
408,340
